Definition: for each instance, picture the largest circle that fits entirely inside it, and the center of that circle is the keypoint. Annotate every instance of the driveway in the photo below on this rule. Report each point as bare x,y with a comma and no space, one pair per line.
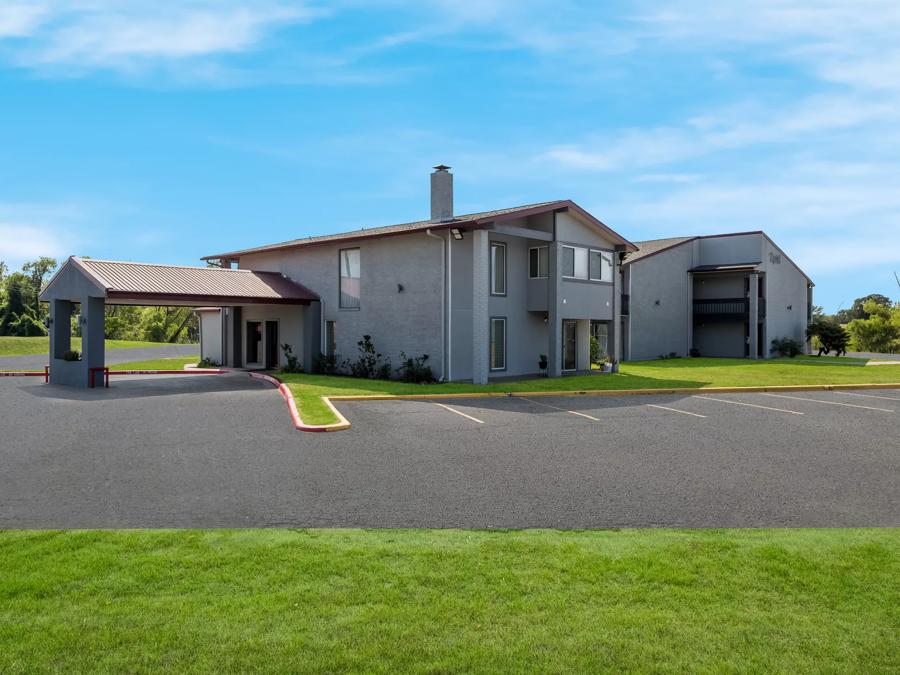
219,451
38,361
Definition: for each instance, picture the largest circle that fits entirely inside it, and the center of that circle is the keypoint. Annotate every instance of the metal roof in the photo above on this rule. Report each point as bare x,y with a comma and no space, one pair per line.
481,218
647,248
144,283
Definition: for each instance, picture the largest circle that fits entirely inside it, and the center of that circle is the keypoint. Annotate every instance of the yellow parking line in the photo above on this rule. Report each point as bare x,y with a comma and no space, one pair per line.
454,410
815,400
547,405
749,405
683,412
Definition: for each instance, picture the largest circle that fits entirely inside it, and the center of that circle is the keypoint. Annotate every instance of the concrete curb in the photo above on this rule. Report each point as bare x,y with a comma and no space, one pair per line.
298,422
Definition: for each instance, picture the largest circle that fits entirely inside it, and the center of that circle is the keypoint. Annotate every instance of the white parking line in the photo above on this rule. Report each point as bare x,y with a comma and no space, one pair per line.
815,400
547,405
683,412
749,405
454,410
886,398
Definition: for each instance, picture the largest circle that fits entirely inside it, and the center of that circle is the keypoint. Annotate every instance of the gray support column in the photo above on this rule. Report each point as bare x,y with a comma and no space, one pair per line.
690,314
754,314
583,344
554,318
614,350
237,338
312,334
480,317
60,328
93,348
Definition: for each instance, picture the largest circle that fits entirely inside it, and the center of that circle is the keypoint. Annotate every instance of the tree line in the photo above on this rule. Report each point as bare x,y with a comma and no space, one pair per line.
23,315
871,324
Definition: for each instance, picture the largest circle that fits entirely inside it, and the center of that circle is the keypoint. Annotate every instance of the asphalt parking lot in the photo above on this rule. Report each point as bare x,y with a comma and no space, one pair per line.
219,451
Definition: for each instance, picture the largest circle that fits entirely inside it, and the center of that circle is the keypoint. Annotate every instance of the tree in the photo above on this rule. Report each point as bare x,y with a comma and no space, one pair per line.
17,318
859,311
37,272
879,331
829,334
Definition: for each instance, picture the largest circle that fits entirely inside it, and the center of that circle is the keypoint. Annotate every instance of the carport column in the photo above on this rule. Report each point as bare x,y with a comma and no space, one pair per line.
554,317
93,352
60,328
480,318
754,315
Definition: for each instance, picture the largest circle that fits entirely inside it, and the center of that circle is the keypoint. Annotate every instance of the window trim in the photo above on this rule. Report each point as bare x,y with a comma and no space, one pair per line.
341,306
491,343
612,265
588,278
538,249
499,244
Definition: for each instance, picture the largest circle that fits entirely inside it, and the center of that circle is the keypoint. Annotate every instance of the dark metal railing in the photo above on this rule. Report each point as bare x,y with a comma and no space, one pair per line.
728,307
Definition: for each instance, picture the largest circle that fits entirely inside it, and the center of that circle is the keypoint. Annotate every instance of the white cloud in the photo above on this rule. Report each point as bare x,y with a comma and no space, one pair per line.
20,19
19,243
126,36
29,230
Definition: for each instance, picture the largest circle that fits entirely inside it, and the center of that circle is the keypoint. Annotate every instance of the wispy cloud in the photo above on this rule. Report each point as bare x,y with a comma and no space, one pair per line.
29,230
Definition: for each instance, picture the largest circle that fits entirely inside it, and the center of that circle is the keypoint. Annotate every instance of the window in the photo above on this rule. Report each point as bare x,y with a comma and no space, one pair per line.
498,268
538,262
330,339
588,264
498,344
349,263
575,262
601,266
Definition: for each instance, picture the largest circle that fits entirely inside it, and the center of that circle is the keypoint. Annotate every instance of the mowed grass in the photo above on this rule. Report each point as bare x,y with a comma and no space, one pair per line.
175,363
24,346
666,374
390,601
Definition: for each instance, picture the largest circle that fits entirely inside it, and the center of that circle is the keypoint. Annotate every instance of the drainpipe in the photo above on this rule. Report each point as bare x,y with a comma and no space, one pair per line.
449,307
431,234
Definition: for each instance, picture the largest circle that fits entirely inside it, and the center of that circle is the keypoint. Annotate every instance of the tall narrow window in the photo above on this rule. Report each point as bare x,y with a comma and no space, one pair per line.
330,339
498,344
538,262
498,268
349,263
601,266
568,261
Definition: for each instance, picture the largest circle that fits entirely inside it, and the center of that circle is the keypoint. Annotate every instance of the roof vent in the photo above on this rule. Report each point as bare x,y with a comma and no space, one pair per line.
441,194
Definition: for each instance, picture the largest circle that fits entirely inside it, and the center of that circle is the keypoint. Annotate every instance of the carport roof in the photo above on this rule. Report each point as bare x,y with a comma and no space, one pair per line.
149,283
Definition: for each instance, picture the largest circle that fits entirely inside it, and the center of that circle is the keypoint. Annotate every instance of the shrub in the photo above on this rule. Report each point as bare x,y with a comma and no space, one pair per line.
787,347
670,355
72,355
326,364
292,363
413,369
695,353
207,362
830,335
369,364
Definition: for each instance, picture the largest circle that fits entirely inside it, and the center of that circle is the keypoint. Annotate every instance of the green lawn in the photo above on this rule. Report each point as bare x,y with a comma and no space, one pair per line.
388,601
177,363
668,373
23,346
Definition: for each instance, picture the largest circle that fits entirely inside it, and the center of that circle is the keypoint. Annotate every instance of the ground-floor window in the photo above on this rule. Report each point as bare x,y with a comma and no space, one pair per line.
330,344
498,343
600,332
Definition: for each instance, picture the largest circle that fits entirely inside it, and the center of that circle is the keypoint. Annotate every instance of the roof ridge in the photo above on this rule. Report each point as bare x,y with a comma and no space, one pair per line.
148,264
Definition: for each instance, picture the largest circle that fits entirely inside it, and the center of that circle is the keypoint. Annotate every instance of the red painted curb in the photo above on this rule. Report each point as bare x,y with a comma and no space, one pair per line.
11,373
297,421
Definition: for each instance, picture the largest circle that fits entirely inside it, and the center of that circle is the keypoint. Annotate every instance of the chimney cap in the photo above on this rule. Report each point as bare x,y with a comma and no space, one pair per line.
441,167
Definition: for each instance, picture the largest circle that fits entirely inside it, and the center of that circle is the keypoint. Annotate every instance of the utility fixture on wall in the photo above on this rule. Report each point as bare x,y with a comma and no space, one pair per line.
457,234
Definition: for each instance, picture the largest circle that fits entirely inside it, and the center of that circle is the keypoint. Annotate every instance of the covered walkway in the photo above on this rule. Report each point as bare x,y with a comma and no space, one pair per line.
93,284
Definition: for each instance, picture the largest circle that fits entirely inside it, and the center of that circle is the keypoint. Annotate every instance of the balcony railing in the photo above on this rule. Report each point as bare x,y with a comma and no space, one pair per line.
727,308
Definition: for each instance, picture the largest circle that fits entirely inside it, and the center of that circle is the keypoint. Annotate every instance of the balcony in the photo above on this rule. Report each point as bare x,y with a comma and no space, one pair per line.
727,309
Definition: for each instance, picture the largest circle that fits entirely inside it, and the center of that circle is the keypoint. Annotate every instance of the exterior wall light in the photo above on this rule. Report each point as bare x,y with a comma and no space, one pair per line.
456,233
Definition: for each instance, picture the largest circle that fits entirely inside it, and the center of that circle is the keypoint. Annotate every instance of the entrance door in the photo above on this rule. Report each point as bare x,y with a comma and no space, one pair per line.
254,341
570,345
271,344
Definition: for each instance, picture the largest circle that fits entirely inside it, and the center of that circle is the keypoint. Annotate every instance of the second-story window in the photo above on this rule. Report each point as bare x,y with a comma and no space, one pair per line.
586,264
349,263
498,268
601,266
538,262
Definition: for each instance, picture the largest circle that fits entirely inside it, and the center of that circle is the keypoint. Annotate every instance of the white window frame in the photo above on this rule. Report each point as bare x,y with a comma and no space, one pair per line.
547,271
587,271
491,343
494,291
341,278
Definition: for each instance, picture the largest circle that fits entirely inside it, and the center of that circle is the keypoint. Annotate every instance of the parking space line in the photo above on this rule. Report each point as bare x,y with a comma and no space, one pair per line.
749,405
886,398
683,412
458,412
815,400
547,405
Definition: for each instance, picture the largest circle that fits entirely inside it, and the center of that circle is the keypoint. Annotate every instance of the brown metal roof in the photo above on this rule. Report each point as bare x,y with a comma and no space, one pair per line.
147,282
482,218
653,246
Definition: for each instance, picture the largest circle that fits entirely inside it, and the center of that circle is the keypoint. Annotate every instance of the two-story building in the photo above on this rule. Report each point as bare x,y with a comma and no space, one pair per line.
725,295
485,295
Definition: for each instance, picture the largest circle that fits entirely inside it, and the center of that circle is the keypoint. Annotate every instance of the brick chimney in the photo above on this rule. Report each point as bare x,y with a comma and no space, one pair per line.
441,194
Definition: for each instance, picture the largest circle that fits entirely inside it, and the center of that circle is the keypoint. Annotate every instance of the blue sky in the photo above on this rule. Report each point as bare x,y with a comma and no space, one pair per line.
167,131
